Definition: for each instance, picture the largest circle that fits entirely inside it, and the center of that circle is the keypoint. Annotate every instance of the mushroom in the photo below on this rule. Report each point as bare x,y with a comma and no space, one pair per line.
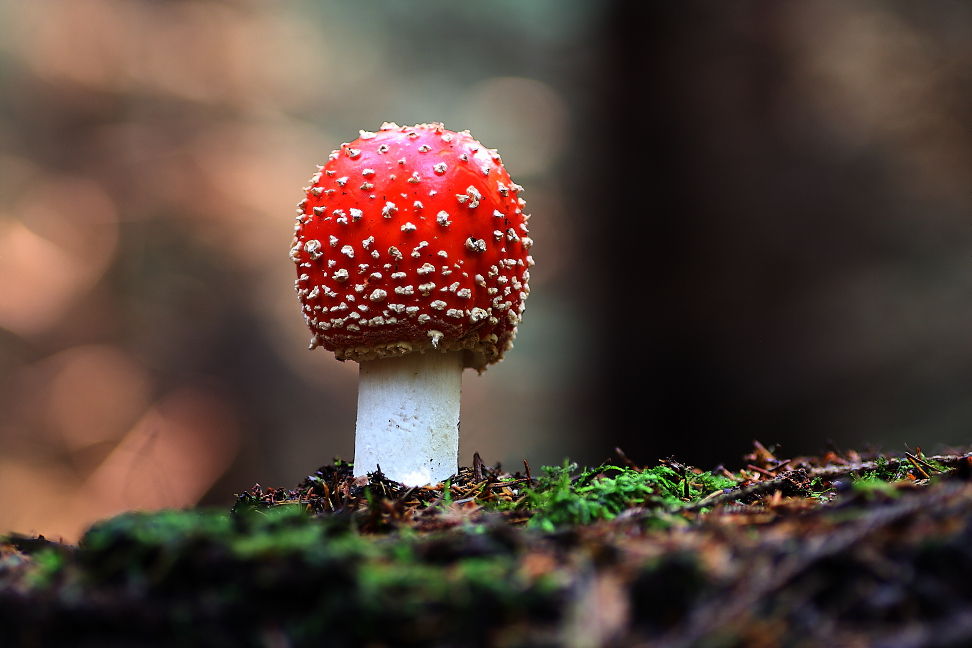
412,259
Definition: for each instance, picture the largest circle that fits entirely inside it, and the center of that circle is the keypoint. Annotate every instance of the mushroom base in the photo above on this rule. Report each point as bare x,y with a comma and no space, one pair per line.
408,417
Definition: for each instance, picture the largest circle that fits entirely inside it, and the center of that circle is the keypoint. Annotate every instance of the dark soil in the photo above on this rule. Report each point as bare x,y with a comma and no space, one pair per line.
841,550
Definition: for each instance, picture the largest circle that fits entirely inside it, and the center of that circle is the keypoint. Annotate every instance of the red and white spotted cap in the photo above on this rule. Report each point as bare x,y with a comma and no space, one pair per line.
412,239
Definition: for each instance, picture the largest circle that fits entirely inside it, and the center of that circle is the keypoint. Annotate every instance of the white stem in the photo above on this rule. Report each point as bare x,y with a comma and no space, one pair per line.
408,417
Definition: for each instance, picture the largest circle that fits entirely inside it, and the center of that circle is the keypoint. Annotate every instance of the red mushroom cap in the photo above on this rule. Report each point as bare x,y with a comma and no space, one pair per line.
411,239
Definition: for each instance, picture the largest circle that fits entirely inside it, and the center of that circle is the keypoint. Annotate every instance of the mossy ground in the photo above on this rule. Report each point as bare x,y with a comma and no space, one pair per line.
842,550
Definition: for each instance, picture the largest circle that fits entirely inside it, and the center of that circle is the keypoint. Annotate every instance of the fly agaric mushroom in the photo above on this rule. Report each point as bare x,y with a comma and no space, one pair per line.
412,259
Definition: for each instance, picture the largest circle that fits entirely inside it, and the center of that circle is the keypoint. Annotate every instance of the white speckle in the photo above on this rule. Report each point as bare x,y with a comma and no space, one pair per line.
423,318
365,135
498,235
378,295
348,250
329,292
485,169
358,288
303,277
343,306
363,308
366,186
442,218
368,172
443,254
432,192
475,245
313,248
398,275
503,189
377,320
340,275
408,227
418,205
374,254
367,242
414,178
388,209
402,161
464,157
454,312
425,148
511,235
354,316
295,252
342,181
516,188
363,268
446,271
383,148
426,288
353,152
453,287
317,191
375,276
314,294
480,280
330,174
465,293
427,268
440,168
477,315
438,304
530,261
462,198
318,211
527,243
331,263
497,213
329,192
356,214
501,280
404,290
397,308
411,310
395,253
353,327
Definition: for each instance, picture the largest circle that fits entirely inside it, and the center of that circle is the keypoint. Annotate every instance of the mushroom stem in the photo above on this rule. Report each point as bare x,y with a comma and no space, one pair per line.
408,417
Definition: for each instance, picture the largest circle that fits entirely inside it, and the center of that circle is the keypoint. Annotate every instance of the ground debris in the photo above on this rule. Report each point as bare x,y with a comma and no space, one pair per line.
846,549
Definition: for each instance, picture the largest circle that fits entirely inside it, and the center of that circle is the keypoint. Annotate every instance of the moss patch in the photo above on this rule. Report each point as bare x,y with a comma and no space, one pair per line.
824,551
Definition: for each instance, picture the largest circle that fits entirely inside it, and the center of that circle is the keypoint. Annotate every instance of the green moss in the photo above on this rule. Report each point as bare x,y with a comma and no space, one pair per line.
561,498
223,579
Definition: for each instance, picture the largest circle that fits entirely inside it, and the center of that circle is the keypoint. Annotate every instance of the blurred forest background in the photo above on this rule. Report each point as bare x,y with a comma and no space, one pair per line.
752,220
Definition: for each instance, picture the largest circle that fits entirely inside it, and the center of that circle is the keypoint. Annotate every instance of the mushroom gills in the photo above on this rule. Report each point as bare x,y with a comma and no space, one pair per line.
408,417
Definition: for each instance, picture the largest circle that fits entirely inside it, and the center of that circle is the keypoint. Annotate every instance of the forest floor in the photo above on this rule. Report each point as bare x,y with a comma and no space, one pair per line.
839,550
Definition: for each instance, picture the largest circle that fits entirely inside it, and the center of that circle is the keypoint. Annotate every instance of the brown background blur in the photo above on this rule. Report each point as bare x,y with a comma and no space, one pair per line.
752,220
